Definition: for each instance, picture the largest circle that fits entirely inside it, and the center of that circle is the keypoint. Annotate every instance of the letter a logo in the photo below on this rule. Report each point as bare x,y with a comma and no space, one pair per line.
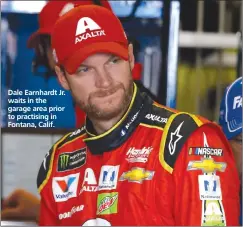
84,24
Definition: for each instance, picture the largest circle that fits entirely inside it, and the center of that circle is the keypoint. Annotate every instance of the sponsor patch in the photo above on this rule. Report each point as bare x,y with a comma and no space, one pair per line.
70,213
157,118
65,187
137,175
132,120
78,131
176,132
71,160
213,213
138,155
108,177
107,203
87,28
205,151
207,165
89,183
209,187
174,138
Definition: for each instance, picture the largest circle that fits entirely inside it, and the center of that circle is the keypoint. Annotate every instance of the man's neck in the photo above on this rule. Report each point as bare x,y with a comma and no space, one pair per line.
101,127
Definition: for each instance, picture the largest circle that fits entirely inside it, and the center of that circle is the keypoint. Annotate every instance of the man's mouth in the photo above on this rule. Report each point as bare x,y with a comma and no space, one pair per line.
102,94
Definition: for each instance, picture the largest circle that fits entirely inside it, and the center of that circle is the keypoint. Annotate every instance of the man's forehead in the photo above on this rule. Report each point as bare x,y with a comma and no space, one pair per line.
92,59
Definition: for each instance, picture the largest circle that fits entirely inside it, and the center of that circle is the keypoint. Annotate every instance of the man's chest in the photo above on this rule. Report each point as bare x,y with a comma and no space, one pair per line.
116,188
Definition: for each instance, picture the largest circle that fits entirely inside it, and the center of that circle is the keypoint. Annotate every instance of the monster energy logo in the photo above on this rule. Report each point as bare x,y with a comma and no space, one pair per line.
64,161
71,160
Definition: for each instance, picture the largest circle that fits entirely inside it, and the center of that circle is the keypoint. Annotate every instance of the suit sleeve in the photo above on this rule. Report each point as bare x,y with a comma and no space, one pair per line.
48,214
203,171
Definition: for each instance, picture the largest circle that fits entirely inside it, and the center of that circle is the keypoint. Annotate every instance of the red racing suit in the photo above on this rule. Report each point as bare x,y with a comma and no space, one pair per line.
156,166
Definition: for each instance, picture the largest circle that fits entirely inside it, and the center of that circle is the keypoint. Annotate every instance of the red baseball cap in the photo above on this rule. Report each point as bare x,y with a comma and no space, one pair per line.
86,30
51,13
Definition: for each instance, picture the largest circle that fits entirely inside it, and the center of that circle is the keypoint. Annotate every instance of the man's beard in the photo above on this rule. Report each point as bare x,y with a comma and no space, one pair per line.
95,112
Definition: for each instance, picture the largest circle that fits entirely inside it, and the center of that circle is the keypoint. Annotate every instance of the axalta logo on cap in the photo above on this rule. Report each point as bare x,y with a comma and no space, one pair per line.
85,24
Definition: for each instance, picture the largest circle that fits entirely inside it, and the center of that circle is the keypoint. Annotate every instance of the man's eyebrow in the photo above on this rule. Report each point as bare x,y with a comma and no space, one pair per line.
112,56
85,65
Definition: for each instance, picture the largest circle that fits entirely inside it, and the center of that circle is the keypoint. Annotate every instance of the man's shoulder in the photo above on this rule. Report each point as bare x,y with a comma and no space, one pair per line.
67,140
176,126
70,137
56,150
158,115
179,128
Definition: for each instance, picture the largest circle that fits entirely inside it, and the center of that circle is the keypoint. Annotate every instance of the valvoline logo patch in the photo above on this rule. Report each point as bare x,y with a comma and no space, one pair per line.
65,187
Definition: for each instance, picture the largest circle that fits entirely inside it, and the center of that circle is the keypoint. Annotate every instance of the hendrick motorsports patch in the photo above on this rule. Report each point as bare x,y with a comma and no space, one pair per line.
71,160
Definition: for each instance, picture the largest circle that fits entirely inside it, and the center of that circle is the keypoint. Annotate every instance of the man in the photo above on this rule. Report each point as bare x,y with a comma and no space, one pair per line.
231,120
135,162
22,205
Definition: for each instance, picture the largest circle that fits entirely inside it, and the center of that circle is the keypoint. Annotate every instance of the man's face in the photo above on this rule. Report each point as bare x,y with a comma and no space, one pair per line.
236,144
102,86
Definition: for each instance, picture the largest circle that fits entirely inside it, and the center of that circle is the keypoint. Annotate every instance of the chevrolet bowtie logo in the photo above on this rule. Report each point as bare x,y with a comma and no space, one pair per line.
137,175
207,165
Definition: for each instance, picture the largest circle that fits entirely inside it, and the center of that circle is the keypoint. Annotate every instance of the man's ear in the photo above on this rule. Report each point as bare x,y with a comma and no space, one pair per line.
62,78
131,58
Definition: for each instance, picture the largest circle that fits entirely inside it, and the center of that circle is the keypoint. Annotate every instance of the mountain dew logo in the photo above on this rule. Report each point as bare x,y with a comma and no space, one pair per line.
107,203
64,160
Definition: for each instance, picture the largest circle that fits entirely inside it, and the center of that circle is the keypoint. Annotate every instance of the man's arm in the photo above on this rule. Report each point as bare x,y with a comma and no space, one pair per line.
203,172
21,205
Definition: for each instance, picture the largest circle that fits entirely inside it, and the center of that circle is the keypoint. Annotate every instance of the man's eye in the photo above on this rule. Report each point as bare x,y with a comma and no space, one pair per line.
114,60
83,70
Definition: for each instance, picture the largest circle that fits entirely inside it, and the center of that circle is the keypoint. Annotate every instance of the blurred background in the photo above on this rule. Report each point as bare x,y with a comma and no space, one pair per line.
190,51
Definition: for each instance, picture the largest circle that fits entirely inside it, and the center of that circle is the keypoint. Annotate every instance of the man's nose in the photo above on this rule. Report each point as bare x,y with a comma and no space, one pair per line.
103,78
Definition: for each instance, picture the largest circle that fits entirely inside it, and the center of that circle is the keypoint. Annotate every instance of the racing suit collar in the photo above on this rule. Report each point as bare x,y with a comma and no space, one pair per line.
118,134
